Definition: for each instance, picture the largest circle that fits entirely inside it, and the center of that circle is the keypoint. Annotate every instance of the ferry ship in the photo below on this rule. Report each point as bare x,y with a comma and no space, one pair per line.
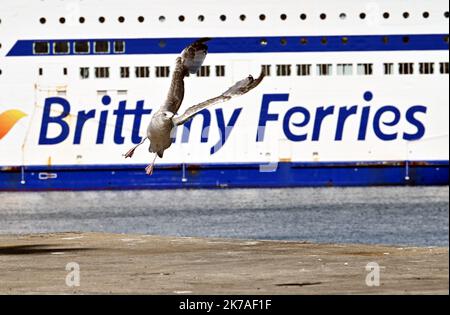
356,93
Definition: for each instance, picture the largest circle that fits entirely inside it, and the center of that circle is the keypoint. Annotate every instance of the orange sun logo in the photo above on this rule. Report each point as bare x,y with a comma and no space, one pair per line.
8,119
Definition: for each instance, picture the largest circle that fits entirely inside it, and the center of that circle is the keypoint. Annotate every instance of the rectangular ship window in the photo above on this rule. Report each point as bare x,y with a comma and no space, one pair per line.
283,70
101,47
84,73
345,69
119,46
41,48
220,71
426,67
365,69
303,70
102,72
82,47
324,69
266,70
443,67
388,68
204,71
124,72
162,72
61,48
142,72
406,68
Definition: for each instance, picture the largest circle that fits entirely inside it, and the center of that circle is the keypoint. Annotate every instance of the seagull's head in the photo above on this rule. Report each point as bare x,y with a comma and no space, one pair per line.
167,115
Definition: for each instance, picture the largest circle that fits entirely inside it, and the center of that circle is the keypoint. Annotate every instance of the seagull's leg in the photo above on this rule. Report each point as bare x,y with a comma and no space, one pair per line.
149,169
131,151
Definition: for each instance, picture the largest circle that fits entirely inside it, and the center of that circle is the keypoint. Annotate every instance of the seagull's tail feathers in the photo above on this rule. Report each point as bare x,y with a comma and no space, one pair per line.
194,55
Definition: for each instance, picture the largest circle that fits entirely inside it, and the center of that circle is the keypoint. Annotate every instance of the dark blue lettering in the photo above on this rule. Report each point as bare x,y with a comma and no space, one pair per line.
377,120
363,124
413,121
47,119
264,116
81,119
344,113
225,130
306,117
321,113
205,127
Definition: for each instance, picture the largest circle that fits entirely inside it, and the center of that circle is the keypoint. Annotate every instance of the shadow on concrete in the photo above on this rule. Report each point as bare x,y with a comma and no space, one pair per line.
38,249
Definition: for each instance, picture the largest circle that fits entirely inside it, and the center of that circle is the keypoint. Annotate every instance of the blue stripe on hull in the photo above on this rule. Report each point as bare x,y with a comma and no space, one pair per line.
272,44
225,175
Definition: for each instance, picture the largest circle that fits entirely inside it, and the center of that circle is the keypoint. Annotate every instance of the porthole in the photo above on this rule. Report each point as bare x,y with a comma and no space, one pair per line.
446,14
181,18
386,15
121,19
242,17
263,42
141,19
62,20
262,17
42,20
304,41
324,41
344,40
81,20
162,43
303,16
385,39
445,40
201,18
283,17
323,16
283,41
426,14
405,15
223,17
343,16
362,15
405,39
162,18
101,19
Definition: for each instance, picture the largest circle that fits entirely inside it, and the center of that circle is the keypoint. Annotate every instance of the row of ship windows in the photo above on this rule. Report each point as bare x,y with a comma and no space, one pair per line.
243,17
404,68
119,47
141,72
282,70
79,47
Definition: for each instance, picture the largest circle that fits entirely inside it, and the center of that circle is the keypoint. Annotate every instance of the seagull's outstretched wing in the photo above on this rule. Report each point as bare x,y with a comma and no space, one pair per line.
194,55
240,88
190,61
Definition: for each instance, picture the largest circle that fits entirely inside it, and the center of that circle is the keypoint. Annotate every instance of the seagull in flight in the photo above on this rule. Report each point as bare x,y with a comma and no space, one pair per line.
165,119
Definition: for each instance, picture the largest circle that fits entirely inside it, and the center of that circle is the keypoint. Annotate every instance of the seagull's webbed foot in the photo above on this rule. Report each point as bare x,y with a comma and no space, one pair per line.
149,169
131,151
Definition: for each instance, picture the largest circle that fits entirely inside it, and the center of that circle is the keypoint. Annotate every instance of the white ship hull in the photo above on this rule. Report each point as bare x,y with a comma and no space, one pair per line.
351,99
